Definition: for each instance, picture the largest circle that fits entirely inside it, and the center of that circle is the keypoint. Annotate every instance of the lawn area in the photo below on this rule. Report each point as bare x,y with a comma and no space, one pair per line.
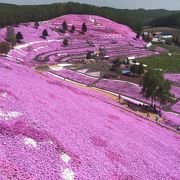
168,64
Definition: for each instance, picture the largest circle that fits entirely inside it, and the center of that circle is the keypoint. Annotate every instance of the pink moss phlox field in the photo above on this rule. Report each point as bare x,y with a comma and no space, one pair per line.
57,117
176,107
52,129
101,32
173,77
176,91
121,87
160,49
78,77
171,119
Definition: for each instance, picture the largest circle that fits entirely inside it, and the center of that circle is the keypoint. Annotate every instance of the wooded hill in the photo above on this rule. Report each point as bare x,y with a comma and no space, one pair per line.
168,21
14,14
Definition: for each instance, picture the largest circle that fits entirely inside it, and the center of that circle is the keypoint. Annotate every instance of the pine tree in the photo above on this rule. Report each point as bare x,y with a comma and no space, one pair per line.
73,28
36,24
19,37
64,26
45,33
65,42
84,28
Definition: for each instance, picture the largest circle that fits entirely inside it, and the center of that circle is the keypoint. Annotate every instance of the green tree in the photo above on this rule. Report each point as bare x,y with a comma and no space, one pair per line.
163,93
19,37
134,68
10,35
155,87
64,26
138,29
137,69
4,47
141,68
84,27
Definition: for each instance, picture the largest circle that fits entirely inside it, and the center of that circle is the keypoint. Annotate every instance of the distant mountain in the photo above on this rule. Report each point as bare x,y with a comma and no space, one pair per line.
11,14
6,5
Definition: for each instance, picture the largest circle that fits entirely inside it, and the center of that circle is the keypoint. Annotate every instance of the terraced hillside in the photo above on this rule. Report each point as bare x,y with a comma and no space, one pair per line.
56,129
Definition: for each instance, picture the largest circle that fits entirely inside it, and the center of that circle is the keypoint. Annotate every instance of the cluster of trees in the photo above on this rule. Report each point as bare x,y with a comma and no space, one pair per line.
11,39
155,87
168,21
73,28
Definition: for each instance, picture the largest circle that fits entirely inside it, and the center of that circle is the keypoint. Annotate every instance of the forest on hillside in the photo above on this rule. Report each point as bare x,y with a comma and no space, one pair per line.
14,14
168,21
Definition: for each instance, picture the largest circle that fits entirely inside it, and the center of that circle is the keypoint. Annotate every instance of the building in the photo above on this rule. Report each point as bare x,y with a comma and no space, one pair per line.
162,37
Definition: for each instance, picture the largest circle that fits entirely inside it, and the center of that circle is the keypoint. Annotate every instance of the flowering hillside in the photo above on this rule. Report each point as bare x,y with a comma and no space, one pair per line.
54,130
118,39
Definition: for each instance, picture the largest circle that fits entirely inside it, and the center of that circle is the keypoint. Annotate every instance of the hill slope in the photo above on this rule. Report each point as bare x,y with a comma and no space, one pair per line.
51,129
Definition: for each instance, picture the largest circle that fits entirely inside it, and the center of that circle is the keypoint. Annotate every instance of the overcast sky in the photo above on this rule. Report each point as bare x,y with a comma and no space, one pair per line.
129,4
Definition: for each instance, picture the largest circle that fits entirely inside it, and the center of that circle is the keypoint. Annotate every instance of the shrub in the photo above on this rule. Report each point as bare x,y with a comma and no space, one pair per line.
137,69
36,24
19,37
64,26
4,47
72,29
84,28
65,42
45,33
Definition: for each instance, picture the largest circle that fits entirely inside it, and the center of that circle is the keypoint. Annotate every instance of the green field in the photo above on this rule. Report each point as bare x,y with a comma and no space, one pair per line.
168,64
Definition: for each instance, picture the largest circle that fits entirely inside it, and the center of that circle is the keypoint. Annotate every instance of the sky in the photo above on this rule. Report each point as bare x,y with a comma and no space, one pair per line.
121,4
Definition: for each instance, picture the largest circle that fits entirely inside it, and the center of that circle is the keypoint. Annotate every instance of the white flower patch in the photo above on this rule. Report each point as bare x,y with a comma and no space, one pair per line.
68,174
30,142
4,94
66,158
95,74
50,142
9,115
58,67
83,70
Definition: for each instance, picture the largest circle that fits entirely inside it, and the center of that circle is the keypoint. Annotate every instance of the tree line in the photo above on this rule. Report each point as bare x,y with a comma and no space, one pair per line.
168,21
15,14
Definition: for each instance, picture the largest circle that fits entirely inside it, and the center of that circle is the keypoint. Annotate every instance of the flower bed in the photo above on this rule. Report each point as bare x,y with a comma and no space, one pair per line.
176,107
121,87
176,91
173,77
74,76
171,119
